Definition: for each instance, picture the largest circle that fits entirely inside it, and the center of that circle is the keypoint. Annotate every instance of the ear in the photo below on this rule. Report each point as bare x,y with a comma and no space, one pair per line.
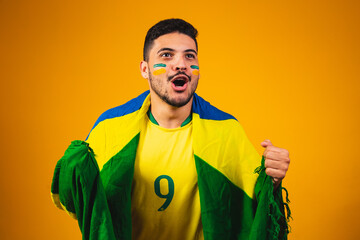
144,69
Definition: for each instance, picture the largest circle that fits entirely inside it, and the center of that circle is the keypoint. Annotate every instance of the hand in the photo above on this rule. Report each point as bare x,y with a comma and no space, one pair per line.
276,162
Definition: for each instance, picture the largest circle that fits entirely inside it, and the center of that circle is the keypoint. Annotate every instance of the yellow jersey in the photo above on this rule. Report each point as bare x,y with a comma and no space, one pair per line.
165,200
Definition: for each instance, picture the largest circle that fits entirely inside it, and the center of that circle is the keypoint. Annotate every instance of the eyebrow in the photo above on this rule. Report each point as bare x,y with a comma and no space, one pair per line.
166,49
191,50
172,50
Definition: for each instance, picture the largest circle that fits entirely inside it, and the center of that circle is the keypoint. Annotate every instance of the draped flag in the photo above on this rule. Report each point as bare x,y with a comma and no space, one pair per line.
92,182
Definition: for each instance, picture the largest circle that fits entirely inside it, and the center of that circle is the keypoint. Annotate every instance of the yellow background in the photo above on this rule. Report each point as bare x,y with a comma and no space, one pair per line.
288,70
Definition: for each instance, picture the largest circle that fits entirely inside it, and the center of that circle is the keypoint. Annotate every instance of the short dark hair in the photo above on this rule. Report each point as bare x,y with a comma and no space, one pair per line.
168,26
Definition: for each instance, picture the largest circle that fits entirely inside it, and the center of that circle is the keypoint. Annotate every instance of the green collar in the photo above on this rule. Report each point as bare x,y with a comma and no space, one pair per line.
153,120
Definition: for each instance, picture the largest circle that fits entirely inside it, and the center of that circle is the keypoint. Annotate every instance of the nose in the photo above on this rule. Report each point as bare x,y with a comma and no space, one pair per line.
180,64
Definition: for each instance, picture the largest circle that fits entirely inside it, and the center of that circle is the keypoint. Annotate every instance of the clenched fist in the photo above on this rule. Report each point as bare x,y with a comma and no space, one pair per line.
276,162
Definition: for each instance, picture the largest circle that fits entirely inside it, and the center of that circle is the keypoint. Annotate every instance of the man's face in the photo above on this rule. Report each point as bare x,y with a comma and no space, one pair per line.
173,68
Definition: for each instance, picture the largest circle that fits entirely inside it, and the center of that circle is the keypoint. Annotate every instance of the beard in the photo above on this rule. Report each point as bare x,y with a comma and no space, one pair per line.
161,91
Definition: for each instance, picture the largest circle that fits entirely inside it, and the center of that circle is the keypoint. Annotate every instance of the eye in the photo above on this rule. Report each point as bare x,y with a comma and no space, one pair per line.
166,54
190,55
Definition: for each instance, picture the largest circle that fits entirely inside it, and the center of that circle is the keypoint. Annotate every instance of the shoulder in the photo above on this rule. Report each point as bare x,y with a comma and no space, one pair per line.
120,112
207,111
213,120
124,109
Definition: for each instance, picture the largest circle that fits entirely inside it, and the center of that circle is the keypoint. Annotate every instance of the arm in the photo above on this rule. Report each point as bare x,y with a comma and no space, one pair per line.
77,189
270,210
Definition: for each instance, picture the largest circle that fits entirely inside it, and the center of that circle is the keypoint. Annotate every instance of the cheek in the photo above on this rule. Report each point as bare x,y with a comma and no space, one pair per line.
159,71
195,72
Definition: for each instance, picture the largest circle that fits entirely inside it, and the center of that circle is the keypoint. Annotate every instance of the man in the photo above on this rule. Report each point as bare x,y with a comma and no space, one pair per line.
172,165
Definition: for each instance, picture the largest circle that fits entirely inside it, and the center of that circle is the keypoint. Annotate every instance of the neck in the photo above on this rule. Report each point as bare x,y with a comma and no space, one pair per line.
169,116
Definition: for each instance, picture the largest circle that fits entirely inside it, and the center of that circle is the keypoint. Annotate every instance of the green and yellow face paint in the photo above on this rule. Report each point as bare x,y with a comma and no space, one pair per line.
159,68
196,69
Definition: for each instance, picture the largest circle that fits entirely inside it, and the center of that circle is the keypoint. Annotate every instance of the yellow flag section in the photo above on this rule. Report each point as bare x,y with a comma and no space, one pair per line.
225,146
225,162
114,129
165,198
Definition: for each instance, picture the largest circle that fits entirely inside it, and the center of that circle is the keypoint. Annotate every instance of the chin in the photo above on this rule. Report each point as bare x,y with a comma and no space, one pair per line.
179,102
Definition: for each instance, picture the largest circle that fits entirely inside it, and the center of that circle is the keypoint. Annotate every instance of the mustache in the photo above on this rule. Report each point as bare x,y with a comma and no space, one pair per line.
179,73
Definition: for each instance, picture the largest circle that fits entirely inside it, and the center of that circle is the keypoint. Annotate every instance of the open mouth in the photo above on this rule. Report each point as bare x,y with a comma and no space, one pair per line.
179,82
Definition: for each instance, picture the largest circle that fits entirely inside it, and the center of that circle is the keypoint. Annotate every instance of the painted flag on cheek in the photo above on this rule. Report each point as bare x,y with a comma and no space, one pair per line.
159,68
